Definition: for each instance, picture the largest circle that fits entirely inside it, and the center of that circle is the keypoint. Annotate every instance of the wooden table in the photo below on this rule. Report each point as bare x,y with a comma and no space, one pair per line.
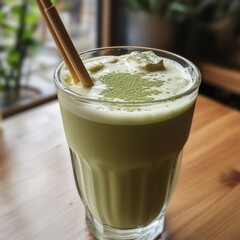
39,201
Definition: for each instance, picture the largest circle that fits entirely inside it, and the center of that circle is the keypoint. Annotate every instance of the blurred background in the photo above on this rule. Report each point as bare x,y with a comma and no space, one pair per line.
205,31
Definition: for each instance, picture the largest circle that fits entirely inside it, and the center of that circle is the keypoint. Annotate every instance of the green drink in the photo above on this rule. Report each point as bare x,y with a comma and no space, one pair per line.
126,136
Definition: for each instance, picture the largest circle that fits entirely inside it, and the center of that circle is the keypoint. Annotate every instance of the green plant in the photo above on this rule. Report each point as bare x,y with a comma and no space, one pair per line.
18,21
183,9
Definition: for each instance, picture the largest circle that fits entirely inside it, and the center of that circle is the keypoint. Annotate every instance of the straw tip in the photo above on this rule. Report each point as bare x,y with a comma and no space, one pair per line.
87,81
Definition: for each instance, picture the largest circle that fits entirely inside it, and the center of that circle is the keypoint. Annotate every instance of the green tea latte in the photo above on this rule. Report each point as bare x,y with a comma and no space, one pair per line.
125,140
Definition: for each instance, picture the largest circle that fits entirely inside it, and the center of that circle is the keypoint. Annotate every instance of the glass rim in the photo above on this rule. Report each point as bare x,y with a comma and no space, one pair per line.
80,97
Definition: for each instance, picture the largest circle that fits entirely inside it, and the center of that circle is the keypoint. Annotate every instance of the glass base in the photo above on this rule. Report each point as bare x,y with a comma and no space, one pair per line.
150,232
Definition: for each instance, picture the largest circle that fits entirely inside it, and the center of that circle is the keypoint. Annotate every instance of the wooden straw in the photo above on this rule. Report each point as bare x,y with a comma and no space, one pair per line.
59,46
64,43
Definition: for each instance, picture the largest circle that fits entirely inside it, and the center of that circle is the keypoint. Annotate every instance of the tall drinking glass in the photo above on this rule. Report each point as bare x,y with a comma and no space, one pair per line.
126,155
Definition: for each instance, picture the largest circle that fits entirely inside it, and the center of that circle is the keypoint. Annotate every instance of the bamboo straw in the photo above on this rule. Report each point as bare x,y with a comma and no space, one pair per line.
64,43
59,46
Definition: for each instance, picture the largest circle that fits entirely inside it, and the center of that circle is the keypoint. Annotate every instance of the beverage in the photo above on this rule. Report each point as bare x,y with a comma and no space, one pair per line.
126,139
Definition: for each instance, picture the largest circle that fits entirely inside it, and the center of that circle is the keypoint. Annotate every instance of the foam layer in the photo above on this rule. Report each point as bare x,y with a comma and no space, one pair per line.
127,81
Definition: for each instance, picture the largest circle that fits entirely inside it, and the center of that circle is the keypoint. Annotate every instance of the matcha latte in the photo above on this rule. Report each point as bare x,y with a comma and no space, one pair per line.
126,135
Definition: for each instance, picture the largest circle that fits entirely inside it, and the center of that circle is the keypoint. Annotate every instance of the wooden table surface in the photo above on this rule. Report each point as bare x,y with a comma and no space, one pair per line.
39,201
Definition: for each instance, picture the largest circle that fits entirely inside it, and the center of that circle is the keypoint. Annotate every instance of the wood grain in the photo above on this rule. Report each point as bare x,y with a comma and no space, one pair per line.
225,78
38,198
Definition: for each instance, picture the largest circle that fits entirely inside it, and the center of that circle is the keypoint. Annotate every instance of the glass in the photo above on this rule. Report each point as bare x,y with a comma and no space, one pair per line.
126,170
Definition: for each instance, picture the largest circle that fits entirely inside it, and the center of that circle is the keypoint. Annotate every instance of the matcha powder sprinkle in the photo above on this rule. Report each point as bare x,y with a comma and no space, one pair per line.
130,87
